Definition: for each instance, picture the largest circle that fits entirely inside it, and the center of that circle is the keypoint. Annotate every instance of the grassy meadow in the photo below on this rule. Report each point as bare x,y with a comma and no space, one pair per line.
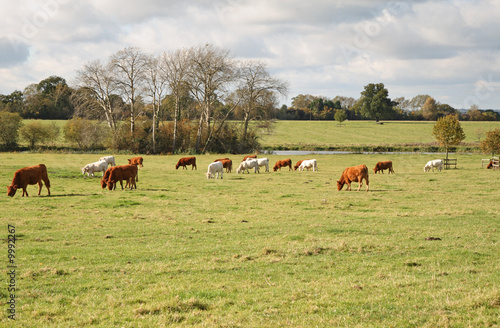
277,249
325,134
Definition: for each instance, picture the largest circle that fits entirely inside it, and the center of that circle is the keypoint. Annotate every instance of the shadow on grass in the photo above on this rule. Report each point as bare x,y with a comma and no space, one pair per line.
69,195
383,190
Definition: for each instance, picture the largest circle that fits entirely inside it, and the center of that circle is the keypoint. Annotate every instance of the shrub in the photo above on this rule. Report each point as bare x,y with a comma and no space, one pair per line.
36,132
491,144
138,142
86,134
10,123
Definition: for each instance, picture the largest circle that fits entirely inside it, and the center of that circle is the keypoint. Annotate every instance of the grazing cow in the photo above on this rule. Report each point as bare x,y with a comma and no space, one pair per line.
263,162
437,163
226,163
29,176
186,161
109,159
381,166
249,156
283,163
353,174
309,163
214,169
136,161
90,169
105,177
120,173
248,164
297,165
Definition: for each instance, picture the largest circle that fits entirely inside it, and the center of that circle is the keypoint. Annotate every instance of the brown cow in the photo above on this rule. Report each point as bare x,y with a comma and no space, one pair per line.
136,161
296,166
186,161
283,163
381,166
249,156
120,173
226,163
29,176
353,174
105,177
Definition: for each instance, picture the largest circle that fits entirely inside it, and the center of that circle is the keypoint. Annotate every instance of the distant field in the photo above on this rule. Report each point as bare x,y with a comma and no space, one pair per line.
277,249
325,134
313,134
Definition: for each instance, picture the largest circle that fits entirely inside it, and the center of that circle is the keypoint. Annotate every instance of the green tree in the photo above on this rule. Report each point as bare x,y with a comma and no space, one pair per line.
36,132
10,123
491,144
375,102
448,132
12,103
340,116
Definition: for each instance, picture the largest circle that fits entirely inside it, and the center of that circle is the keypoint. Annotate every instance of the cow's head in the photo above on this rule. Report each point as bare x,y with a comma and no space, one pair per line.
84,169
11,190
103,183
176,166
340,185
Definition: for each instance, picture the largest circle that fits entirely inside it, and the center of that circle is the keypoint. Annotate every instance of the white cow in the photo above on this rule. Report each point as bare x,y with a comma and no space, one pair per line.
263,162
248,164
109,159
309,163
90,169
213,169
437,163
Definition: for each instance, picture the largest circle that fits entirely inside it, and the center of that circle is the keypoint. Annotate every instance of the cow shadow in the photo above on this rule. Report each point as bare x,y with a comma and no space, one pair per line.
68,195
383,190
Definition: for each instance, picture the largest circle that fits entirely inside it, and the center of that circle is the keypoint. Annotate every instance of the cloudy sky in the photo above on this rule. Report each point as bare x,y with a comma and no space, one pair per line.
449,49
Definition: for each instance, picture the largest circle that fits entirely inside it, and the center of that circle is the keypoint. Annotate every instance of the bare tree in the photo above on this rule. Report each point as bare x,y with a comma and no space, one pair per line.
255,88
156,84
174,67
130,65
211,72
97,85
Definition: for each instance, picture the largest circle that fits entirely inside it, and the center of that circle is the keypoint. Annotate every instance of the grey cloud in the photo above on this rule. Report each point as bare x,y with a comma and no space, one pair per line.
13,51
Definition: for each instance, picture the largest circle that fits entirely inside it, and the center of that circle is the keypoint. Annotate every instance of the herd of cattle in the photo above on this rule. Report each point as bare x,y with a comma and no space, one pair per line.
129,173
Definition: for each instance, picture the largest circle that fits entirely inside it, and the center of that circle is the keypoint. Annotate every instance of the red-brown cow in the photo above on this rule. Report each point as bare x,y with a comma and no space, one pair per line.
120,173
381,166
283,163
29,176
226,163
249,156
136,161
186,161
105,178
296,166
353,174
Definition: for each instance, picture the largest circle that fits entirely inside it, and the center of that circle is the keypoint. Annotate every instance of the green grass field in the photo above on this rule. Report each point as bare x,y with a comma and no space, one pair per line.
324,134
278,249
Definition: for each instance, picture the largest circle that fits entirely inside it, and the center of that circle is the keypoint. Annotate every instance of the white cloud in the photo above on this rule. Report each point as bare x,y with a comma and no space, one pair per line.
327,48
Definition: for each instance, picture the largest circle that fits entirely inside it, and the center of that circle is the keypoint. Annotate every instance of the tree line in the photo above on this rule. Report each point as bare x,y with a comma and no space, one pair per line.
196,100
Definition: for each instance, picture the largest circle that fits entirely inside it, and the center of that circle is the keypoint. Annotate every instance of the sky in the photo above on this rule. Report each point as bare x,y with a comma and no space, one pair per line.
448,49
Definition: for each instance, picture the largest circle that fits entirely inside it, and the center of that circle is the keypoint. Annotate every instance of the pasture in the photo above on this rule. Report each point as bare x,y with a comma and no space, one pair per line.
324,134
278,249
